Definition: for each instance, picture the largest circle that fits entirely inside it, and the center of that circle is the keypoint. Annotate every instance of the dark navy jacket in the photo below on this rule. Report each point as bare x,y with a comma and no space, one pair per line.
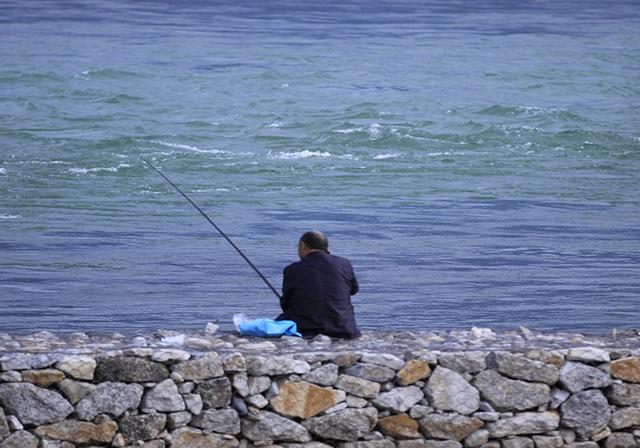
317,294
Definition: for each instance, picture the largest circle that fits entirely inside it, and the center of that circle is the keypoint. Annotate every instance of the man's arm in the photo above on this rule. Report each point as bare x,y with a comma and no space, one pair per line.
286,292
354,282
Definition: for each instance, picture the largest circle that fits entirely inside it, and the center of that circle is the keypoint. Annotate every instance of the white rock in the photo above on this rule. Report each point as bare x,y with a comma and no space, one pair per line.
169,355
588,354
164,397
79,367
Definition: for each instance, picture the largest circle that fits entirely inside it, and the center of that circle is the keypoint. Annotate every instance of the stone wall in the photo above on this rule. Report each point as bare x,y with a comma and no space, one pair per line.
583,397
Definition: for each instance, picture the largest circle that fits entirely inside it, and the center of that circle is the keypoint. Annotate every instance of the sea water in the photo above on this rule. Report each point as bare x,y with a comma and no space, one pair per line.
479,163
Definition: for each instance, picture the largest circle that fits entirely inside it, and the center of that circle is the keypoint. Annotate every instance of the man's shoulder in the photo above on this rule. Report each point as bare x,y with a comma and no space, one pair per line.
340,260
293,266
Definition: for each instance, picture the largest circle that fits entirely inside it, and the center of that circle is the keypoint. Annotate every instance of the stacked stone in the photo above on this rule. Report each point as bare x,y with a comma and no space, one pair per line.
170,398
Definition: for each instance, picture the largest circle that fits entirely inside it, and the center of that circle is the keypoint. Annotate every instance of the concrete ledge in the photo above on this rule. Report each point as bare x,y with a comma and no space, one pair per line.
464,388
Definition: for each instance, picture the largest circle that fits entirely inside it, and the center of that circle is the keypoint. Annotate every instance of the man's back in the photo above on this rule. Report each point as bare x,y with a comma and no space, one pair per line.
317,295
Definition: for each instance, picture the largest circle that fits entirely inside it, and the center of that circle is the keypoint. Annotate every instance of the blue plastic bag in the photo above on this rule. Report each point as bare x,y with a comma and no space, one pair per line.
268,328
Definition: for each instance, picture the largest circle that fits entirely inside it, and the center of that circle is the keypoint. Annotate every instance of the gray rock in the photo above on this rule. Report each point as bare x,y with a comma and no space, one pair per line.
625,418
110,398
586,412
508,395
463,362
178,420
26,361
517,442
443,444
10,377
558,396
449,391
273,427
356,402
275,365
4,425
20,439
620,440
476,438
588,354
486,416
325,375
624,394
258,384
371,372
14,423
164,397
239,405
75,390
399,399
383,359
524,423
522,368
449,426
193,403
32,404
240,382
347,425
141,427
257,401
576,377
224,421
358,386
384,443
548,441
208,366
234,362
215,393
128,369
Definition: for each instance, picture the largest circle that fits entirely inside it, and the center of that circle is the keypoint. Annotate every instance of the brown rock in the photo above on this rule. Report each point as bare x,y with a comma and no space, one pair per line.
627,369
78,432
43,378
413,371
400,426
188,438
304,400
449,426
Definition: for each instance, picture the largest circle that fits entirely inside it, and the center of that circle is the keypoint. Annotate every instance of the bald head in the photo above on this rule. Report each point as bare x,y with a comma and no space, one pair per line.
311,242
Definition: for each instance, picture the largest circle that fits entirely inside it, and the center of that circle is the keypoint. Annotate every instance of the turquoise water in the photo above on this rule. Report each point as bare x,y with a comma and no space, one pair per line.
480,165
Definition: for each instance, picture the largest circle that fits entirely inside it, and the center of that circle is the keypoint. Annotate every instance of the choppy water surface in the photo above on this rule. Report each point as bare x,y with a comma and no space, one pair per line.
480,165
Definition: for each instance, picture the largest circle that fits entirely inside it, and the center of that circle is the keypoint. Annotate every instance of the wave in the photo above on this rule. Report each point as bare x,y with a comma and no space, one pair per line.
3,171
106,73
195,148
306,154
386,156
108,169
7,216
532,111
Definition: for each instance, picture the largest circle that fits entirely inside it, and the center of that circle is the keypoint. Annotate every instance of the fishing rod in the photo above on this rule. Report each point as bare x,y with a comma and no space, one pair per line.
216,227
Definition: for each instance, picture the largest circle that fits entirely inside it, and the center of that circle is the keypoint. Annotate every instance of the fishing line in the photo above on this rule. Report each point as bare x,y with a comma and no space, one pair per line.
216,227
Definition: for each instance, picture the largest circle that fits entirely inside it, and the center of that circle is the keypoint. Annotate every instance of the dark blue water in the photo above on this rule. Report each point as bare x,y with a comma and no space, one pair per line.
479,164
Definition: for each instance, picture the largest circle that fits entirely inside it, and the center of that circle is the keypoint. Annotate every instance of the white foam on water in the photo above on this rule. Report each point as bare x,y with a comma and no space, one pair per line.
196,149
100,169
3,171
275,124
7,216
348,131
374,130
300,155
385,156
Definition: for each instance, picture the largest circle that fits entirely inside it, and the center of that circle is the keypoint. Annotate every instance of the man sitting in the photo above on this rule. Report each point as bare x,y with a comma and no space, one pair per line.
317,290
